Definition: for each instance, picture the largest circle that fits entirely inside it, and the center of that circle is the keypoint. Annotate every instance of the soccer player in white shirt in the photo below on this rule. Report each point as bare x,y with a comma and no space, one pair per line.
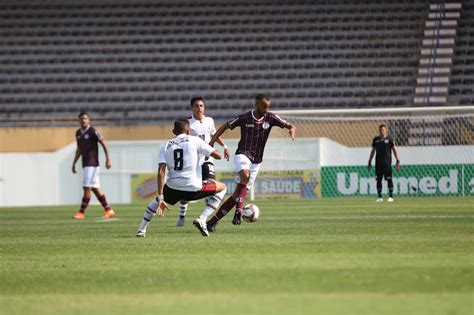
202,126
181,156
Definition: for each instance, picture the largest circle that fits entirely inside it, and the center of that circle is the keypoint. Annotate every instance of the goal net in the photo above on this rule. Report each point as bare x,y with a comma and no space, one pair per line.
329,157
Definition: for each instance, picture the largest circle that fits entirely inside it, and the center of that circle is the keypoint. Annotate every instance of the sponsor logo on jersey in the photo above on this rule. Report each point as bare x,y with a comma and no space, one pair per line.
249,125
177,141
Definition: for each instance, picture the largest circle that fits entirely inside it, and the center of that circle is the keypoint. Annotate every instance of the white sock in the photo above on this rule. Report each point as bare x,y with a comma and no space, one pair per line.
212,204
150,212
206,213
183,209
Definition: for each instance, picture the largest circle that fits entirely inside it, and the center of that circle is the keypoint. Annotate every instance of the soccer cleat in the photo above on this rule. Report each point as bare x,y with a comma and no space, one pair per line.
181,221
79,215
108,214
390,199
201,226
141,234
237,218
379,200
211,227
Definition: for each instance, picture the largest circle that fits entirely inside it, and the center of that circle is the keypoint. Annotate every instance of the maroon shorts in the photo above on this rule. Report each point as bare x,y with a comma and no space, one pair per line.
172,196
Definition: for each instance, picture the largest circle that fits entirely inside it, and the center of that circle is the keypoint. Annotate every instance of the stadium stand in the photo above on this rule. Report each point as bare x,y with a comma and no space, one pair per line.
461,89
141,61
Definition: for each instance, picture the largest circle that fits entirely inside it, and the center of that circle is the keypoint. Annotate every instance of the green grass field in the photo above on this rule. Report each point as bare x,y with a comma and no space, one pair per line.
333,256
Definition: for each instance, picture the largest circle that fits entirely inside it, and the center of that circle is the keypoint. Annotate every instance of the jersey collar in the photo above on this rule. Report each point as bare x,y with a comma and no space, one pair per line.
255,118
83,131
195,119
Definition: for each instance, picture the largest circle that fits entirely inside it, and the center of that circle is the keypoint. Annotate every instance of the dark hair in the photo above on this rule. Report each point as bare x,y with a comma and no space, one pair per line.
180,126
383,126
261,97
83,114
197,98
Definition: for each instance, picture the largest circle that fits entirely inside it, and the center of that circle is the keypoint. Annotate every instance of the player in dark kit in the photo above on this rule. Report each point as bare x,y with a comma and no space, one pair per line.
87,138
383,146
255,127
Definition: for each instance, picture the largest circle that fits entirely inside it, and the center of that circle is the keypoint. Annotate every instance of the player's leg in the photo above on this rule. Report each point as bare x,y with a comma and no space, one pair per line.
183,208
108,211
212,202
213,192
253,172
150,213
87,183
207,172
240,195
242,167
171,196
86,197
95,185
388,177
379,176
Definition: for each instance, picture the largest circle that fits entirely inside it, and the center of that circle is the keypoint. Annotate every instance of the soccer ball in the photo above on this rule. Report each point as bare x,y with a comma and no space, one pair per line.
251,213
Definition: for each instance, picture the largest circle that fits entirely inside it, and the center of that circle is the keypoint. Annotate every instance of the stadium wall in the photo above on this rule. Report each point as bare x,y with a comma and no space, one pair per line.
28,179
51,139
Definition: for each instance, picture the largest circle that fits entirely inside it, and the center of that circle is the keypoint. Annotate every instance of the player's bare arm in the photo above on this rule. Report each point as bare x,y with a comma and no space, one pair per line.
218,133
108,162
160,178
372,153
76,157
216,154
226,149
397,156
292,131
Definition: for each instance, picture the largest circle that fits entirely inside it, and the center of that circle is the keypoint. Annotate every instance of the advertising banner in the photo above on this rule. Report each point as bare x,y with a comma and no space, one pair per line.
289,184
435,180
269,185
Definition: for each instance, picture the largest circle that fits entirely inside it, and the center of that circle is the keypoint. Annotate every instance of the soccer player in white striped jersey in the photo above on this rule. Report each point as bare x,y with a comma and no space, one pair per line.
202,126
180,156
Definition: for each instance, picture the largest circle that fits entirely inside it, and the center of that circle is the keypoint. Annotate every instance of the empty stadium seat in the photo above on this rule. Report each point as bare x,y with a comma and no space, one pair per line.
132,58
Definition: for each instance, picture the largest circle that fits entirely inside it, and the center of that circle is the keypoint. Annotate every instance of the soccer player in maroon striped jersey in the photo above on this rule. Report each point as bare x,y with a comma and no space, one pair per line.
87,138
255,127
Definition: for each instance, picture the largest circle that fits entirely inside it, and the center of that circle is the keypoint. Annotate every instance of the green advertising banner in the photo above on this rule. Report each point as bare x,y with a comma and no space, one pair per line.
434,180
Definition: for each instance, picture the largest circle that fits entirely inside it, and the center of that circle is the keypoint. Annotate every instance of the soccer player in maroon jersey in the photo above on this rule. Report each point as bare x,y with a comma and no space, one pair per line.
87,138
255,127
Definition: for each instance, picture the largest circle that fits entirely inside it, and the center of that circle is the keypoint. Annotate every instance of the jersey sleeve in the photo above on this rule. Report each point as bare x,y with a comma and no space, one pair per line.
276,120
161,155
392,143
237,121
204,148
213,127
98,135
373,142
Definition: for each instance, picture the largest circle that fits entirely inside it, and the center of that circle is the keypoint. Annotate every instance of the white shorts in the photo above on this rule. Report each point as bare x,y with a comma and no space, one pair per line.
241,162
91,176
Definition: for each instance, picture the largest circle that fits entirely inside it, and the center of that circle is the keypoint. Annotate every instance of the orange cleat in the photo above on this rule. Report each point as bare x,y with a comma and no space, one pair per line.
108,214
79,215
